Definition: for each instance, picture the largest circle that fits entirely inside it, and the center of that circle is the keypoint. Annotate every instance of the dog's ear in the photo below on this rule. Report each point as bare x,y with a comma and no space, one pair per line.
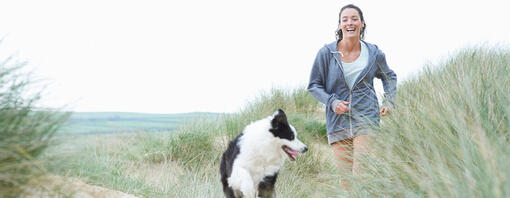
279,118
280,126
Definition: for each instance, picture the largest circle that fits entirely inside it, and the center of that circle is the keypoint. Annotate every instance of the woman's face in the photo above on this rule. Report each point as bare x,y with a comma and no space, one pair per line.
350,23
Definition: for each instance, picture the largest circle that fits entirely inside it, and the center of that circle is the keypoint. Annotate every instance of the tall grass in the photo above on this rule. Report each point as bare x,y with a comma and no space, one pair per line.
25,130
448,135
199,144
185,162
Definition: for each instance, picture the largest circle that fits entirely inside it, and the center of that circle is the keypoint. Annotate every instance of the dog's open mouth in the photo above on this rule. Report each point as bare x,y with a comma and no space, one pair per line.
291,153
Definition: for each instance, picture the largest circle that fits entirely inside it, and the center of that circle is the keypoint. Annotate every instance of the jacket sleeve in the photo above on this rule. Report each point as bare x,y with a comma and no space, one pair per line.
317,83
388,78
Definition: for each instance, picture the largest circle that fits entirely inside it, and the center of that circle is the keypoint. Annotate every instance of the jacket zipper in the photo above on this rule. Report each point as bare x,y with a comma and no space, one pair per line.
350,90
350,93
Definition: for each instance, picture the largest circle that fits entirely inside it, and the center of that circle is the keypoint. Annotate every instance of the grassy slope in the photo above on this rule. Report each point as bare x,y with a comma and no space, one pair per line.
186,162
447,137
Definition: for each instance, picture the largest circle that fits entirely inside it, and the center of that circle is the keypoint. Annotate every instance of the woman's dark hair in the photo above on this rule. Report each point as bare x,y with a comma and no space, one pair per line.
339,30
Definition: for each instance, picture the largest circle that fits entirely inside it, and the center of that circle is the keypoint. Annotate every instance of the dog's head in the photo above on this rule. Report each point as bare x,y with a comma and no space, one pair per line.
286,135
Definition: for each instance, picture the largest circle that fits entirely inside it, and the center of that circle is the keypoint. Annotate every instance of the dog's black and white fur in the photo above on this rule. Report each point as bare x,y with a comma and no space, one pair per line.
250,164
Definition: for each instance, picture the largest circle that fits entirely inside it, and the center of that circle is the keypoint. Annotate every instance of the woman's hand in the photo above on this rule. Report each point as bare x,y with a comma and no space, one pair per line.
384,111
342,107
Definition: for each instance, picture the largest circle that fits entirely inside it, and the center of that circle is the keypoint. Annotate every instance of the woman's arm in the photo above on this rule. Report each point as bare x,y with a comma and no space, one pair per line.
388,78
316,85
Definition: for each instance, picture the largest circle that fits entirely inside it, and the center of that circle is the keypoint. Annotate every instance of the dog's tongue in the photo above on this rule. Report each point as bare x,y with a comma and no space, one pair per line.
292,152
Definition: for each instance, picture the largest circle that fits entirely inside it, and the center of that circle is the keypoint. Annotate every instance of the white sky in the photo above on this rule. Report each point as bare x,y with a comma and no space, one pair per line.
215,56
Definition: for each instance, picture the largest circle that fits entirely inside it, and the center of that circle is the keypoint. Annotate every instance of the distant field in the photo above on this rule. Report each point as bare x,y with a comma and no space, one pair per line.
120,122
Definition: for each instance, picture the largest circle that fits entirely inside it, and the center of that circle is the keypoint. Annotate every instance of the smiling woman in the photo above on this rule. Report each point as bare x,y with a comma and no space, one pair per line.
355,16
345,84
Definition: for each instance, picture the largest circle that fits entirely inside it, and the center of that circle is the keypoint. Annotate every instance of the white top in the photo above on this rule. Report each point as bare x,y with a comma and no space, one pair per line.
353,69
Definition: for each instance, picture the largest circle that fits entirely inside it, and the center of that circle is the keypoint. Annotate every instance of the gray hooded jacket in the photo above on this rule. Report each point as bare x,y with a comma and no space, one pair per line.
327,84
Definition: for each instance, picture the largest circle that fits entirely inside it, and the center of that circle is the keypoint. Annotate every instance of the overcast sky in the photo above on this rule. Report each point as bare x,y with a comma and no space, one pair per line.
215,56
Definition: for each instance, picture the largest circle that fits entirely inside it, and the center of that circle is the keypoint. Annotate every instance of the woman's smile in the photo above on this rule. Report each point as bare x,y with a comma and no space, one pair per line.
351,23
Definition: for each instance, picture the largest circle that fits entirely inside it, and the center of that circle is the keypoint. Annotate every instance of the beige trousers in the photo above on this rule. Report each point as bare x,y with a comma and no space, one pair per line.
348,153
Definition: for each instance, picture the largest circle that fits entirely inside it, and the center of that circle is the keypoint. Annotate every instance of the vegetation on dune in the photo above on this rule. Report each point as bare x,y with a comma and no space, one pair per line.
25,130
449,133
447,136
189,156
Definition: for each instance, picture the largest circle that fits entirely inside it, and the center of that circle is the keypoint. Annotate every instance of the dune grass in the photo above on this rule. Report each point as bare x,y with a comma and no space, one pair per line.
185,162
449,133
25,130
447,136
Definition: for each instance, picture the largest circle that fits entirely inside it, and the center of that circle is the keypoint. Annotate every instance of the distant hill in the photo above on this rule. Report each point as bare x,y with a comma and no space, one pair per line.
121,122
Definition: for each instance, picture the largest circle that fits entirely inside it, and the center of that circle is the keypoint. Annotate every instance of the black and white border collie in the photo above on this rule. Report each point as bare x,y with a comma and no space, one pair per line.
250,164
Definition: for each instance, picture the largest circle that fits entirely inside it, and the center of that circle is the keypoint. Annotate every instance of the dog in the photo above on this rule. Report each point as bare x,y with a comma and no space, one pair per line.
251,163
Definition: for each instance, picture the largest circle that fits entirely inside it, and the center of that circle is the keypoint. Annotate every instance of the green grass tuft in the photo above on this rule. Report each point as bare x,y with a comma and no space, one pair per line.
25,130
449,133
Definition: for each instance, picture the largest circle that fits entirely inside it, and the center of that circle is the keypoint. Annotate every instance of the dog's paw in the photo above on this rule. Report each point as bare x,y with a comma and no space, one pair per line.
248,191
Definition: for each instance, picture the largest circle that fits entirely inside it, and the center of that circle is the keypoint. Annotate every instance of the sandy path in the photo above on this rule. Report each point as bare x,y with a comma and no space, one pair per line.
56,186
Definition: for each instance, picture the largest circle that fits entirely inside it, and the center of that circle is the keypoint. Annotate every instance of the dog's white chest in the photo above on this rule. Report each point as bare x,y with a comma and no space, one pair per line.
268,165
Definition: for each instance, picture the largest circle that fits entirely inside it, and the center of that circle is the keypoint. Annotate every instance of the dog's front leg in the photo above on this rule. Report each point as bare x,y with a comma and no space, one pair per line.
241,179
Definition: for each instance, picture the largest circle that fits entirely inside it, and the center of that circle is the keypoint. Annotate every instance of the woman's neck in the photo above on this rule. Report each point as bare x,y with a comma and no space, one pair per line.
349,45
